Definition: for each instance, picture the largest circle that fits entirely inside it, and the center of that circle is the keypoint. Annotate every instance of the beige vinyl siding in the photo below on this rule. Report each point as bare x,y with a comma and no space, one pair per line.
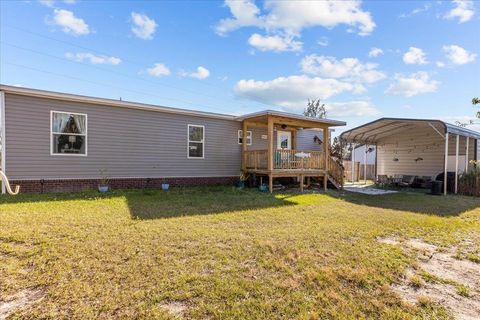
126,142
407,146
419,142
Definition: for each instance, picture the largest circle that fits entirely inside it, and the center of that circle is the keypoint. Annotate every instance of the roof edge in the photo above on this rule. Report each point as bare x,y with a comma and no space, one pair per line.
109,102
291,115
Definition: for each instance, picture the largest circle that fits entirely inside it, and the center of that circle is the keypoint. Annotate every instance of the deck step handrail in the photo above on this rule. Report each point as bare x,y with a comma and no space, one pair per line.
284,159
335,172
7,185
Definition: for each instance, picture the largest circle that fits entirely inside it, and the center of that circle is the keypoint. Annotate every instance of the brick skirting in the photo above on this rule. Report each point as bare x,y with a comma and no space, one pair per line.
40,186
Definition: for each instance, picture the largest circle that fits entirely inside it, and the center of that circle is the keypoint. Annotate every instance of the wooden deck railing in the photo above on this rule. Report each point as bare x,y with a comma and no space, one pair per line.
285,160
257,159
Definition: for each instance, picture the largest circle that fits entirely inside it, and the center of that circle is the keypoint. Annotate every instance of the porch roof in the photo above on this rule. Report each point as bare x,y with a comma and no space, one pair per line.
373,131
290,119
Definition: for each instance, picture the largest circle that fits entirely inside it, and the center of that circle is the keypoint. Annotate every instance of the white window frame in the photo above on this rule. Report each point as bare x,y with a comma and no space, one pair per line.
69,134
202,142
248,133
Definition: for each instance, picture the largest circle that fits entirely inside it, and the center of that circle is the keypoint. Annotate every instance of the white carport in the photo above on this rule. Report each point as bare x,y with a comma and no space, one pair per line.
418,147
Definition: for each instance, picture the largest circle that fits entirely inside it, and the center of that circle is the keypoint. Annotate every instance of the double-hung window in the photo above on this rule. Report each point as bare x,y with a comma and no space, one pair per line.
68,133
249,137
196,141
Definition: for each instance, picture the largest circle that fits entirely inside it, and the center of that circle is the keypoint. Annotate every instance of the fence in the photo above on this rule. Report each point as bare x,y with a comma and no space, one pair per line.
359,171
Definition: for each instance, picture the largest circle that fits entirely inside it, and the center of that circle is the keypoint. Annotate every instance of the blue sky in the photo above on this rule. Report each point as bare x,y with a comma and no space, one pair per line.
363,59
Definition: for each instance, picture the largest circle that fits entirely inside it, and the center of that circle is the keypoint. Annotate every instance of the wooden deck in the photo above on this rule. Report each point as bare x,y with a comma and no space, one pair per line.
298,164
290,162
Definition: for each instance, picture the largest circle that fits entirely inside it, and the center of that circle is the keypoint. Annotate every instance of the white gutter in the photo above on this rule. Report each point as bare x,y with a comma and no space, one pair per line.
3,157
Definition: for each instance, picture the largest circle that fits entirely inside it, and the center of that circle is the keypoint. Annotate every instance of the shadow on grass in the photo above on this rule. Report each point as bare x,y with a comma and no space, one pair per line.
416,202
177,202
154,204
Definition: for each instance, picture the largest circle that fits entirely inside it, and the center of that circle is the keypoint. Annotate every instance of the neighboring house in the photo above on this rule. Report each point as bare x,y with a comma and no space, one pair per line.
361,156
418,147
58,142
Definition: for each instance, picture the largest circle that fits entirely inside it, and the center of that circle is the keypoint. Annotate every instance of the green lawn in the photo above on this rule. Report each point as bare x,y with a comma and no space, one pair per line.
221,253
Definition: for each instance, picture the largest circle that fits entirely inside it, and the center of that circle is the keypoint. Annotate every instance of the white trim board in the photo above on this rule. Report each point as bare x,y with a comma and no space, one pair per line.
3,155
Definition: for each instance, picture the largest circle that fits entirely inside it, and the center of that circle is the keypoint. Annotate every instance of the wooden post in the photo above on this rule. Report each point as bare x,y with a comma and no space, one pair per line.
457,146
244,145
466,153
446,165
326,151
270,152
301,183
294,139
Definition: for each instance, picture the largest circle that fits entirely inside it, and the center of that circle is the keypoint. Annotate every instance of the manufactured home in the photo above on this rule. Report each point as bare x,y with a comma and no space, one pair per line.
55,141
418,147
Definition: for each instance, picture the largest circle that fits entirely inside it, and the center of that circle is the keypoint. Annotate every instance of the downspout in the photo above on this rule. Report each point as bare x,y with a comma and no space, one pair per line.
3,157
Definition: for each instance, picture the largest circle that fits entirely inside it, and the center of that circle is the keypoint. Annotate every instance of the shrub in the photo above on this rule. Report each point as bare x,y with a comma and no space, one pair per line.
469,183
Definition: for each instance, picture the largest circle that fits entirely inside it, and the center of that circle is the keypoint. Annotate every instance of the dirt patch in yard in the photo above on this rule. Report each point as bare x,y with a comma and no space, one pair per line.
19,300
175,308
441,277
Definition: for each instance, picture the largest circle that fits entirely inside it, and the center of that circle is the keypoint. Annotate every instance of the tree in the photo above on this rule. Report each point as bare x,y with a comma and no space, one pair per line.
315,109
476,101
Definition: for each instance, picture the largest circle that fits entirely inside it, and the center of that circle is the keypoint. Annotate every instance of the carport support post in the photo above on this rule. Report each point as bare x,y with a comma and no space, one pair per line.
353,163
446,165
466,154
365,165
457,147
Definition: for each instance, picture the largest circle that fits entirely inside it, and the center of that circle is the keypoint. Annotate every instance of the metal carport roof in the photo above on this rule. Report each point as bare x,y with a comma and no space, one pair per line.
373,131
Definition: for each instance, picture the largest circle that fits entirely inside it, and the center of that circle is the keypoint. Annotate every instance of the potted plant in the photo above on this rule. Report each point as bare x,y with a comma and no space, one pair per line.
165,185
243,178
103,184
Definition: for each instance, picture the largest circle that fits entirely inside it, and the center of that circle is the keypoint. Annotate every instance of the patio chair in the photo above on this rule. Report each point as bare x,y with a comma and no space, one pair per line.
407,181
383,180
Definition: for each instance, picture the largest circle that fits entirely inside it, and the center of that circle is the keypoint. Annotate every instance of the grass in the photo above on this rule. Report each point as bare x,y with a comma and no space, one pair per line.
221,252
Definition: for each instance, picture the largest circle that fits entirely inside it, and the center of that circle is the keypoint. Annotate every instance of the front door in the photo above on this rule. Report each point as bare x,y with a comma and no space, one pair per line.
284,140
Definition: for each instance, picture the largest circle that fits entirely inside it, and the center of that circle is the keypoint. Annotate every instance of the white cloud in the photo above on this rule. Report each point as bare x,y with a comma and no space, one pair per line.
440,64
47,3
274,43
92,58
292,91
463,10
245,13
158,70
416,11
357,108
51,3
349,69
411,85
375,52
143,27
323,42
290,17
415,56
69,23
201,73
458,55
